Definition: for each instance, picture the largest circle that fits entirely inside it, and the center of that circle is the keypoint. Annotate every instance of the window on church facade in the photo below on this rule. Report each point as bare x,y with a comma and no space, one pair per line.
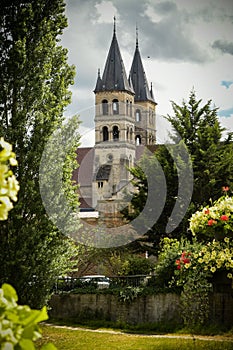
100,184
105,133
138,140
115,106
115,133
131,134
105,107
127,107
138,115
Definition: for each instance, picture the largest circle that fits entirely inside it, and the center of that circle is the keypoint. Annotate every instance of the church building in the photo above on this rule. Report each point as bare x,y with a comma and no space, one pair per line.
125,123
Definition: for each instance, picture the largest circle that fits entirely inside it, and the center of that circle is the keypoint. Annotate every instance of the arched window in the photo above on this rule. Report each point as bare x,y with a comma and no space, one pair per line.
138,140
115,106
127,107
138,115
105,133
105,107
131,134
131,109
115,133
127,133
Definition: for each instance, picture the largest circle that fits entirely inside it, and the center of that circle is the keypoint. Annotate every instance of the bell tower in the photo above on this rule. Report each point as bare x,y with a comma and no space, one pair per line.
124,119
114,148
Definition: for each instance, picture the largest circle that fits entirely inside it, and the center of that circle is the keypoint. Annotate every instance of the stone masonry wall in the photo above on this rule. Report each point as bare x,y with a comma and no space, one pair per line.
148,309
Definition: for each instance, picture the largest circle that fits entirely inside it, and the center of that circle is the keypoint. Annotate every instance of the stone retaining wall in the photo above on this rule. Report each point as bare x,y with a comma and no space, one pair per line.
148,309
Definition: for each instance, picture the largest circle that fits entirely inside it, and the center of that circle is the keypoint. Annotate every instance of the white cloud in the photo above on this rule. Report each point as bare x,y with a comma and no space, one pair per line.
105,12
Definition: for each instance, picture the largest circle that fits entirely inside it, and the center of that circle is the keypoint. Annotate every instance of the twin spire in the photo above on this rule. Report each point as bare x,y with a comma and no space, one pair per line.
115,78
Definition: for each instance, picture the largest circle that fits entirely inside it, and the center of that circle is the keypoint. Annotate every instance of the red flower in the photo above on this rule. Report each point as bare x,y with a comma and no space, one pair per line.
186,260
206,211
183,260
224,218
225,188
211,222
178,264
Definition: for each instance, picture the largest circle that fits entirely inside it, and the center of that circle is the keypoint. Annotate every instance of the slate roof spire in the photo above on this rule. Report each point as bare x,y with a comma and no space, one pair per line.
138,77
114,76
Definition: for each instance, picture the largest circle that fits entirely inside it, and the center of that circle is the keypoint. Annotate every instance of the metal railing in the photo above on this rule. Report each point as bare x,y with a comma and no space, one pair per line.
70,283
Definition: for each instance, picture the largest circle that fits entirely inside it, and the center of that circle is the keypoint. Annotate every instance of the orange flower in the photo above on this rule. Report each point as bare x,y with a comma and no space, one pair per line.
225,188
211,222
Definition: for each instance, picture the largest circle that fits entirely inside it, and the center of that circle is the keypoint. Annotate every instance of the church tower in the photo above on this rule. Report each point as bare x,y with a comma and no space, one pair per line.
124,118
144,103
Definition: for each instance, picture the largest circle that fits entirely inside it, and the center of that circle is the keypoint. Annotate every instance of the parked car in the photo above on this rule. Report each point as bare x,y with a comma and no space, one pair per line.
100,281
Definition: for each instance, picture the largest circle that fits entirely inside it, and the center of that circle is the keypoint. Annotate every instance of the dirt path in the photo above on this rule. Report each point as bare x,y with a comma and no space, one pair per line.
172,336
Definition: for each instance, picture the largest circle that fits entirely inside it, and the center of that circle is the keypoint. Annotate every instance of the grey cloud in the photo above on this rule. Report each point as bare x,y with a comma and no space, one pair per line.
169,39
166,7
223,46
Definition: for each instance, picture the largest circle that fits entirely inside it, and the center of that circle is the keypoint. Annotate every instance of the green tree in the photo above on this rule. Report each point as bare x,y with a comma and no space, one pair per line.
35,79
198,128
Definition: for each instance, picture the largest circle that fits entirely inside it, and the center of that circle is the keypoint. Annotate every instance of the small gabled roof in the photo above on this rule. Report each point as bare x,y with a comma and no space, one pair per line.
114,76
138,78
103,172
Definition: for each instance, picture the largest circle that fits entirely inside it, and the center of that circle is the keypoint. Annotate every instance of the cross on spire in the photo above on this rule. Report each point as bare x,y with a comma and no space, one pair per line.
136,36
114,25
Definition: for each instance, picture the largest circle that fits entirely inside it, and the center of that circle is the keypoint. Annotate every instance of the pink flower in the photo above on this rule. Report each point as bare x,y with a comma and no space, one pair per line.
225,188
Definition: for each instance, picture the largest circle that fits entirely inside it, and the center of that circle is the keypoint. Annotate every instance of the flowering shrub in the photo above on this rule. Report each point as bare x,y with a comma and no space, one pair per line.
184,260
9,186
216,255
214,221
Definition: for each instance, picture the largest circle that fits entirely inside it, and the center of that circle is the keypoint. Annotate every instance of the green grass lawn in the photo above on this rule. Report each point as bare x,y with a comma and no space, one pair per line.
76,339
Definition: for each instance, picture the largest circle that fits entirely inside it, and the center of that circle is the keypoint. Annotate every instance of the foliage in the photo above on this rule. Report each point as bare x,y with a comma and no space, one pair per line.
171,258
216,255
9,186
35,80
152,173
128,294
195,306
176,262
200,129
197,125
214,220
191,266
19,324
135,265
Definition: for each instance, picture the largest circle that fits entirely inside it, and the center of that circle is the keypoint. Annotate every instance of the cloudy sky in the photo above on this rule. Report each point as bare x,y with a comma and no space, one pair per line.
184,44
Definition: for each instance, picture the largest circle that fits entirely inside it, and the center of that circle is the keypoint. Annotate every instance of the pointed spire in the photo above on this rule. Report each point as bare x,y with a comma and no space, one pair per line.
114,76
99,84
138,77
151,91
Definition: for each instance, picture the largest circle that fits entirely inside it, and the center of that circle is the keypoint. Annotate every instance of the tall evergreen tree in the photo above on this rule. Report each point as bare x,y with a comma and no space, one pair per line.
35,79
212,162
199,128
